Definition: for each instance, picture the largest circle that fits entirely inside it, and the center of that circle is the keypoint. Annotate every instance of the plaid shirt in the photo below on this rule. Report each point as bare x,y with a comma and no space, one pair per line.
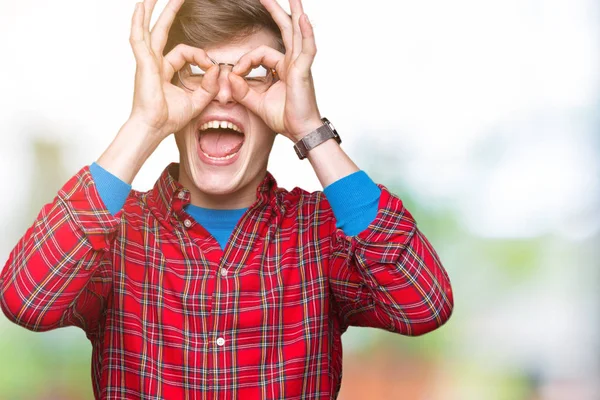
172,316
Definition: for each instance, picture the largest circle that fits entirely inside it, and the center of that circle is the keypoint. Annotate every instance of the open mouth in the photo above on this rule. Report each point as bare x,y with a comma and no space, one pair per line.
220,140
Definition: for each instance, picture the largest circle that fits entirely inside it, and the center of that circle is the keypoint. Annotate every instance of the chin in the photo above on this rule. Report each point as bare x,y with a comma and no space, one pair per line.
229,168
237,179
218,182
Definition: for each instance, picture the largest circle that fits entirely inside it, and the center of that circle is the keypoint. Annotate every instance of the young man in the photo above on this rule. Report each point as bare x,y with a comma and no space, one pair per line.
216,283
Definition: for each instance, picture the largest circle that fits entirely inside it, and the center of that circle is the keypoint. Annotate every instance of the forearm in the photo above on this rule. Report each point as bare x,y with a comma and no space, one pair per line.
353,196
54,261
130,149
414,292
354,201
393,274
330,162
113,191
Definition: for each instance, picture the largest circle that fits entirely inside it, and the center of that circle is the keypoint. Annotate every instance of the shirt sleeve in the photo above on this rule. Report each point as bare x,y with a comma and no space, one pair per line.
59,273
113,191
354,200
389,276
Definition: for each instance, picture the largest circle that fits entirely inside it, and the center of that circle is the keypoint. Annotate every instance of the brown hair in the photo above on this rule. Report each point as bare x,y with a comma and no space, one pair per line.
208,23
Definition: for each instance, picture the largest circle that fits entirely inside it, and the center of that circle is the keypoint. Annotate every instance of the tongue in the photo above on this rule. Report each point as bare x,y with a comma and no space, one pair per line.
220,142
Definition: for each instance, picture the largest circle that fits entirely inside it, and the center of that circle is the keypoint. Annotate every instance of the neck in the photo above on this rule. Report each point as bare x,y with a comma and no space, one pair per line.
229,201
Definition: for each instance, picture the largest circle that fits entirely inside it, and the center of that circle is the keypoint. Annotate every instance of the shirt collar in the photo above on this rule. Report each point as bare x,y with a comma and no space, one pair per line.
169,196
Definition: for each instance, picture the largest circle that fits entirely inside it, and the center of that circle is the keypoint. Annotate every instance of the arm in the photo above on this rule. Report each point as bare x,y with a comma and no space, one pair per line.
59,273
388,275
385,275
383,272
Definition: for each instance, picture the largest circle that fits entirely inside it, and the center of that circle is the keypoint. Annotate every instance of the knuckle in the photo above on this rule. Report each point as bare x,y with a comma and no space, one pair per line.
179,48
183,49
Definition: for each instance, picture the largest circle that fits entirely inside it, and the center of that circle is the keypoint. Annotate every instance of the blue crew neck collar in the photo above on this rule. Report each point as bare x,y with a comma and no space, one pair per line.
209,217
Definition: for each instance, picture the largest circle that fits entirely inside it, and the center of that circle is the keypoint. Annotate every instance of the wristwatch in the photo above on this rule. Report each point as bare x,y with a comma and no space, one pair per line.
315,138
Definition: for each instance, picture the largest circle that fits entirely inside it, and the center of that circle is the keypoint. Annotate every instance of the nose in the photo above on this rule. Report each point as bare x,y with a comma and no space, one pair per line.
224,96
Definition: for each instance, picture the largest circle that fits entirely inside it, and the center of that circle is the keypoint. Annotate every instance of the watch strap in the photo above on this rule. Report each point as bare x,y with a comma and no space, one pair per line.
315,138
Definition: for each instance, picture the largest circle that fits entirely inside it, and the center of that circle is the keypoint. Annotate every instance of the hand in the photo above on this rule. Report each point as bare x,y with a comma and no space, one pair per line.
289,106
159,105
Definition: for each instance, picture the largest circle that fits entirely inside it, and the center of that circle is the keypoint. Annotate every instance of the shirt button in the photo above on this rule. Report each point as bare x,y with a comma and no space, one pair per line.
223,272
181,195
220,342
187,223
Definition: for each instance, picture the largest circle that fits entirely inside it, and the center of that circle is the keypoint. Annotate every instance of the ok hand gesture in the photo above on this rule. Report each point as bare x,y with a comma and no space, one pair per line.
289,106
159,105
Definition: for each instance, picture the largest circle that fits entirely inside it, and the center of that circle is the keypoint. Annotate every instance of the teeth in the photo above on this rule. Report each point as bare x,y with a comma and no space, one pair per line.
220,158
220,124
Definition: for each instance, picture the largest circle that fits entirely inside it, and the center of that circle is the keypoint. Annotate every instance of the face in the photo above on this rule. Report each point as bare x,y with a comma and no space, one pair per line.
218,172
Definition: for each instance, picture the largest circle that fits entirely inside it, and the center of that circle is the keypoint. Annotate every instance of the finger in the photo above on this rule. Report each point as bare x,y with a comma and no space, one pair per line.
243,94
262,55
309,48
136,38
202,96
149,6
283,21
210,82
160,31
182,54
297,12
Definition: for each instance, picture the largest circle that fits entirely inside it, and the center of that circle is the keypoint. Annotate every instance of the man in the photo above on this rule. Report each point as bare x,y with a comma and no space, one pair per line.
216,283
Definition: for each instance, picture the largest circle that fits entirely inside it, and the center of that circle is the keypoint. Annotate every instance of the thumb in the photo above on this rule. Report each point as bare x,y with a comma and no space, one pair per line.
243,94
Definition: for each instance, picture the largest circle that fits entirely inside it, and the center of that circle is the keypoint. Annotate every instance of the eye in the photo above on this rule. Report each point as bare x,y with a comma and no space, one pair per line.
257,73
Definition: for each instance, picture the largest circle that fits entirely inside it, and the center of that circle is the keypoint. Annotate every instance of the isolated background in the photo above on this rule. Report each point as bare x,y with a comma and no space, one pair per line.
484,116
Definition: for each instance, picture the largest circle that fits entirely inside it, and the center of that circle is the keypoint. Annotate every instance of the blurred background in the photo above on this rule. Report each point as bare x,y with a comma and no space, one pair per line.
484,116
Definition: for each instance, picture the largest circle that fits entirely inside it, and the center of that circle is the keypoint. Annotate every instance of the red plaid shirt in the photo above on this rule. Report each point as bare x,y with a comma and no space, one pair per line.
172,316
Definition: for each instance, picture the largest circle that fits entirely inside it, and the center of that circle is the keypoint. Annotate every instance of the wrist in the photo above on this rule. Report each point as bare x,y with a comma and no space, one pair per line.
307,128
142,128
